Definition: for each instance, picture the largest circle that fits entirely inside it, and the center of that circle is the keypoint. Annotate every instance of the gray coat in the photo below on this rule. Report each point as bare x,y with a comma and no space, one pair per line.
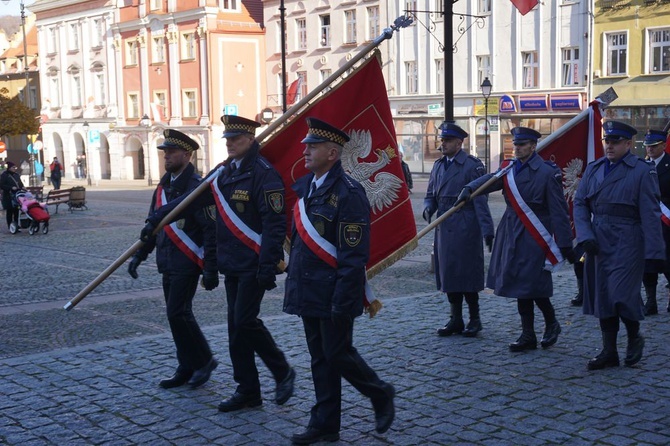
517,262
458,248
621,213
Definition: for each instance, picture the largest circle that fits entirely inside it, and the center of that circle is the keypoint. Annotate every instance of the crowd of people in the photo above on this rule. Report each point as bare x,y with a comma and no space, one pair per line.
237,226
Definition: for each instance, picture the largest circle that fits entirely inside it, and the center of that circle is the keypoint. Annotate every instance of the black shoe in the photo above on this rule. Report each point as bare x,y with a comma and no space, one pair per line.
178,379
650,310
284,389
577,301
240,401
385,411
454,326
603,360
314,435
474,327
551,334
201,376
634,350
525,342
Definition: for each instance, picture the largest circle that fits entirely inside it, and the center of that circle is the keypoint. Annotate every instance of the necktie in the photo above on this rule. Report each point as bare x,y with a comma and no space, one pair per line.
312,190
233,167
447,164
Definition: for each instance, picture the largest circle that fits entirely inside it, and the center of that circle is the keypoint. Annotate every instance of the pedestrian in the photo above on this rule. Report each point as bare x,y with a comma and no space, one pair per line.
184,250
533,236
617,219
56,173
10,183
407,174
654,142
460,277
250,232
330,246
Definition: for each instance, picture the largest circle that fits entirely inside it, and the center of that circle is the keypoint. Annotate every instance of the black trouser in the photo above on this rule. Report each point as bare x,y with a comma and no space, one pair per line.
611,325
192,348
333,358
526,309
56,182
247,335
11,212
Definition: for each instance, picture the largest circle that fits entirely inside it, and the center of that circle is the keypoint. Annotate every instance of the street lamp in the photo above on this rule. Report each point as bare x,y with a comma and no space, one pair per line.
146,123
88,174
486,92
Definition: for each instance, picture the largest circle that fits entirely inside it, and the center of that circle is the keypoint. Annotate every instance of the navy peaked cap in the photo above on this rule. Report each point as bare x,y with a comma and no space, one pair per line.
237,125
616,131
654,137
177,140
523,134
320,131
450,130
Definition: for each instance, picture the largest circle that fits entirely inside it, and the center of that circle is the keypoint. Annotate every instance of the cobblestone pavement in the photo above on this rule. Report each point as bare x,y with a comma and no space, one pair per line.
89,376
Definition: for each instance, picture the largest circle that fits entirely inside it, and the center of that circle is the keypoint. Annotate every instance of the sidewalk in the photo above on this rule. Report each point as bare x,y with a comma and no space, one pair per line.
453,390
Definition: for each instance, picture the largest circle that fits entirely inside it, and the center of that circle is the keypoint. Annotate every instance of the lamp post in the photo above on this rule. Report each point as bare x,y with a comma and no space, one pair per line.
88,174
486,92
145,122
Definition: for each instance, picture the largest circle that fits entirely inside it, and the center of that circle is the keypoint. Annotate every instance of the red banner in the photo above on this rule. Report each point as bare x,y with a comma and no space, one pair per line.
524,6
358,105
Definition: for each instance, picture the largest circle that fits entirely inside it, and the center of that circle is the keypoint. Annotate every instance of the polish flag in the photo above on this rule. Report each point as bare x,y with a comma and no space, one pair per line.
524,6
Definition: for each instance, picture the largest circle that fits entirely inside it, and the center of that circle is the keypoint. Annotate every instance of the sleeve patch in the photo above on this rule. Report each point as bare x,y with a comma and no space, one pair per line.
275,199
352,234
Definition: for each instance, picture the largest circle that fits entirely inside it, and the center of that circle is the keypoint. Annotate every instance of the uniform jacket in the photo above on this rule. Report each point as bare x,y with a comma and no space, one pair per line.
463,232
340,212
517,261
255,192
199,225
621,212
8,180
663,174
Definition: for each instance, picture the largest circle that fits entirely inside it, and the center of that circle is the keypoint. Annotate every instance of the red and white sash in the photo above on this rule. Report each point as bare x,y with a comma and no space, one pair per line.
321,247
665,214
179,237
533,224
239,229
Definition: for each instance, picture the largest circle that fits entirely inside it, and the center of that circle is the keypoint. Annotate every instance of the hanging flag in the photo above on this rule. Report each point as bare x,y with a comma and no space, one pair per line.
293,91
371,157
524,6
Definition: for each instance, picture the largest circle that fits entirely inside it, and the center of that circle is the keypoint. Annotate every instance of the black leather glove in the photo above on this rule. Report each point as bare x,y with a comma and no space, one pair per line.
590,247
569,255
132,266
147,232
463,196
340,320
654,266
428,214
266,281
210,280
488,240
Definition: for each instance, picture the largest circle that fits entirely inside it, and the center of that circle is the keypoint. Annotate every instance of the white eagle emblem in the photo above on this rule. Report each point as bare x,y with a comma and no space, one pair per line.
571,177
381,188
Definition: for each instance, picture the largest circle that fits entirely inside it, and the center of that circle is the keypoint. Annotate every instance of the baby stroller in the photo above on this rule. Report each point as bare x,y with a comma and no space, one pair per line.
31,213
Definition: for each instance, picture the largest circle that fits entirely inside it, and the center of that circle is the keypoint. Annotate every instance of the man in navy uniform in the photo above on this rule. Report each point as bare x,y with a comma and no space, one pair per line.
533,236
251,228
330,246
184,250
654,143
458,276
617,219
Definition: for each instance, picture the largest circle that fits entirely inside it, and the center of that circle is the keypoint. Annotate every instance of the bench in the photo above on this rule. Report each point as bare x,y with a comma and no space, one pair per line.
57,197
37,191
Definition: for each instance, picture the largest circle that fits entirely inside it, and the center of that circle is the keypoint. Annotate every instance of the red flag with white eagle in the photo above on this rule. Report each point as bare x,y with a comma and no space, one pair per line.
359,106
524,6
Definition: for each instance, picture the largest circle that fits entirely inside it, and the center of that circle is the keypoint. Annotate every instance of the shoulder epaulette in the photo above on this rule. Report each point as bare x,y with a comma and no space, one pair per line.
263,162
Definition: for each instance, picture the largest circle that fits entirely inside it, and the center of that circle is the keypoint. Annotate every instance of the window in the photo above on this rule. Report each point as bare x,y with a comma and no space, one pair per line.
156,4
131,52
52,38
301,30
617,53
54,91
190,109
302,75
229,5
412,84
325,30
158,50
439,75
530,69
32,98
133,105
373,22
410,7
570,67
659,40
73,37
324,74
350,23
484,6
97,33
75,88
483,69
160,99
188,46
99,88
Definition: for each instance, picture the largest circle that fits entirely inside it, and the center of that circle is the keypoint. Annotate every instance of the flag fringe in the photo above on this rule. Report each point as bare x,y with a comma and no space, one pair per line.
393,257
